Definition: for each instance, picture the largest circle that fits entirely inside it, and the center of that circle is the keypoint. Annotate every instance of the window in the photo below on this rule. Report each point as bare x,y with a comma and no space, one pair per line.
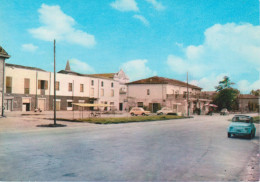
81,87
92,92
26,86
112,84
43,84
140,104
69,104
148,91
8,84
92,82
112,93
70,87
102,84
57,85
184,94
102,92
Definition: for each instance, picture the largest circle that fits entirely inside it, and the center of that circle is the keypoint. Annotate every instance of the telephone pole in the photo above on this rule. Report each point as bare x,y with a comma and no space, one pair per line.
188,111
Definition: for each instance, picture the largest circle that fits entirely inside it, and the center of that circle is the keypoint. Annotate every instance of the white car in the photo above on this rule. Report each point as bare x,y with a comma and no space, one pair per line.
165,110
139,111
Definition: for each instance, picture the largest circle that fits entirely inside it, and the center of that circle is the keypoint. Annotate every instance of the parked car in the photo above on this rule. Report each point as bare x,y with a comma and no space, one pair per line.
242,125
165,110
224,111
139,111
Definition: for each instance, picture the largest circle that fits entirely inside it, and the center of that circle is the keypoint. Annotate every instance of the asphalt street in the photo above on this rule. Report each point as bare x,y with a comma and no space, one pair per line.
195,149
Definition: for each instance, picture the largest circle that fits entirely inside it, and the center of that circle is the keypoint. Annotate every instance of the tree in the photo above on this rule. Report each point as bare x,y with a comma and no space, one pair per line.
255,92
225,83
227,98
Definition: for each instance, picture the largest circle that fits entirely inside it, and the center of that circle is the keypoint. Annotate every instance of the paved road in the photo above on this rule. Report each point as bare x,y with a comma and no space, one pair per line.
194,149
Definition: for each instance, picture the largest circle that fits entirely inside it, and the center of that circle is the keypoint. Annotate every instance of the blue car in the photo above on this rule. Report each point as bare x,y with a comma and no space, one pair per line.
241,125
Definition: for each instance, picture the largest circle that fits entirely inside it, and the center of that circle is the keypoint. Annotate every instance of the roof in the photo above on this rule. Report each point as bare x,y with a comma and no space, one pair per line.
105,75
3,53
79,74
247,96
24,67
162,80
70,73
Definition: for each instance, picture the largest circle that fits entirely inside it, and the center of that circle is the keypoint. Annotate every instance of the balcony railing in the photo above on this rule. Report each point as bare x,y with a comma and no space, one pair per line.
184,96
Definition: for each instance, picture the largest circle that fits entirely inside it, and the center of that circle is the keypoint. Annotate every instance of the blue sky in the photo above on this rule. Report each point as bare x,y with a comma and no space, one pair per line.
209,39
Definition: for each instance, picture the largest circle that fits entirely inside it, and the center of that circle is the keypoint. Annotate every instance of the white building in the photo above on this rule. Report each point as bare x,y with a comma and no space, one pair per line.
28,88
123,79
156,92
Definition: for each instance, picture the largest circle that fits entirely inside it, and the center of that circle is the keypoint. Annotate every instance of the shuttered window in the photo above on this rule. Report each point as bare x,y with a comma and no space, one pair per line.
8,84
57,85
26,86
43,84
81,87
70,87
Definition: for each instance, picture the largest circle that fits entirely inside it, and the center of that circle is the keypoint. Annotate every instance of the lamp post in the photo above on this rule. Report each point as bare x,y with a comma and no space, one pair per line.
54,105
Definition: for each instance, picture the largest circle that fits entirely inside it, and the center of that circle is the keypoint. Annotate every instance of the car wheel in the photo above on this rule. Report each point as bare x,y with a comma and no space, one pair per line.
132,114
160,113
252,135
143,114
249,136
229,135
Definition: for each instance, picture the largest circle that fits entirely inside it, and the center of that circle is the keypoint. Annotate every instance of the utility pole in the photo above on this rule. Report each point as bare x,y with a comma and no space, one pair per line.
54,85
188,111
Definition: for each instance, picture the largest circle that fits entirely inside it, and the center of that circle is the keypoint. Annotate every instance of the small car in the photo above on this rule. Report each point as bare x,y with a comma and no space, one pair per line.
224,111
242,125
165,110
139,111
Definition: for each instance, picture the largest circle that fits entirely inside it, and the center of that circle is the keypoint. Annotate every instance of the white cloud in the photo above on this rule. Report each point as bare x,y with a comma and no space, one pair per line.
209,82
230,48
142,19
245,87
81,67
137,69
181,66
125,5
157,5
57,25
29,47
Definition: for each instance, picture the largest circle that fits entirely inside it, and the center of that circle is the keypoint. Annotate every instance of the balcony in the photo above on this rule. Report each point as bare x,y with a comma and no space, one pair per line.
191,96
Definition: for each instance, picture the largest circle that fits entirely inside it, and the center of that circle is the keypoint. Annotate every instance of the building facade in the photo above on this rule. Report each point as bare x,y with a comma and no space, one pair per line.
248,103
28,88
156,92
3,56
122,79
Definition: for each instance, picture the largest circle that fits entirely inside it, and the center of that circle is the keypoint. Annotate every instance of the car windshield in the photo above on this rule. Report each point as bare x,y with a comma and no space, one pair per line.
243,119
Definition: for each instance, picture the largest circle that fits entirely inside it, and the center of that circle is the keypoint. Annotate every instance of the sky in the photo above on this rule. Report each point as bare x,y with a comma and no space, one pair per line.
209,39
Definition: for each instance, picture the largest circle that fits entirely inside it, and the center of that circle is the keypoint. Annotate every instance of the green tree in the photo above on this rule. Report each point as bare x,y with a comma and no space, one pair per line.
227,98
255,92
225,83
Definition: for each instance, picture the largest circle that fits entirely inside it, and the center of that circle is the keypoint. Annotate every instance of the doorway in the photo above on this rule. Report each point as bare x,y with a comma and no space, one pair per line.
120,106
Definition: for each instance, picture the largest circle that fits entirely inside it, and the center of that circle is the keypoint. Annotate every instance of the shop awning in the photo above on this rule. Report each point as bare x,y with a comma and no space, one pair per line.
92,105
